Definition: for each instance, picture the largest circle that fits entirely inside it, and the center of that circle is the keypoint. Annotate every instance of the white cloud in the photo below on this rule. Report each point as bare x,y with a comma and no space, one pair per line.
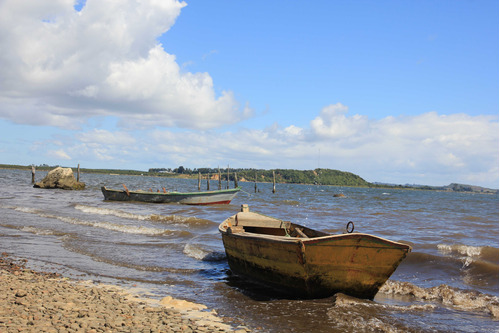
427,149
448,147
59,154
99,136
60,67
332,122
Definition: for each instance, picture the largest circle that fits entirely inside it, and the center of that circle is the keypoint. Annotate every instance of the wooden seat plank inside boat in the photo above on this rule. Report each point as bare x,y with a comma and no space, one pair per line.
262,224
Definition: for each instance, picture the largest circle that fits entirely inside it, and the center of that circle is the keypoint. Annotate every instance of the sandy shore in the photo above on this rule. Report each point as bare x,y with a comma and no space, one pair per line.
47,302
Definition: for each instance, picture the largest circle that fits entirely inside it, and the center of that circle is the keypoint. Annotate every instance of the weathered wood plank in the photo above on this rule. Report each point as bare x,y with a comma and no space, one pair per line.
250,219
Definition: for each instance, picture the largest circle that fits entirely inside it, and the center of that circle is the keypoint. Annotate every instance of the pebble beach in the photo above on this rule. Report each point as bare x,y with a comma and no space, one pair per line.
32,301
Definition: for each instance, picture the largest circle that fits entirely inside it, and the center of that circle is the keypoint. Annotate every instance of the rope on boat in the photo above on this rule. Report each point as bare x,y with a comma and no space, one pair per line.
250,194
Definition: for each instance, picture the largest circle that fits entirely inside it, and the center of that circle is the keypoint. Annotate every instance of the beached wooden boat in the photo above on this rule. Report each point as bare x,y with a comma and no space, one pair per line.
305,262
187,198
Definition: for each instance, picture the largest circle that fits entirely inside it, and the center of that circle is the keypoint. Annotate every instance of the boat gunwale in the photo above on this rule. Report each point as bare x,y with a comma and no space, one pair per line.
312,240
142,192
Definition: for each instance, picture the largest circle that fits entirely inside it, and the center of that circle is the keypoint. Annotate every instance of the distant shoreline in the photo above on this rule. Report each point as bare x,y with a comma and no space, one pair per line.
265,178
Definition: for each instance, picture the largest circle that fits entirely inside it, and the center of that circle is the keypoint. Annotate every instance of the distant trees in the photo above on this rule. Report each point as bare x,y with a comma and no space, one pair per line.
317,176
179,169
154,170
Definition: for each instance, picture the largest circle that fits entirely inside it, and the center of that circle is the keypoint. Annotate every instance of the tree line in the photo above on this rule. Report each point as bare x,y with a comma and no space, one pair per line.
292,176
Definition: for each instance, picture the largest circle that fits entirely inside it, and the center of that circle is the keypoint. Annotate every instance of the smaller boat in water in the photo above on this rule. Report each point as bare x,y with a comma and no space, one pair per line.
187,198
306,262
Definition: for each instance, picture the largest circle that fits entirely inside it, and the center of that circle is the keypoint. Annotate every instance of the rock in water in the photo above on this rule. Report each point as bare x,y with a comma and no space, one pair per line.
60,178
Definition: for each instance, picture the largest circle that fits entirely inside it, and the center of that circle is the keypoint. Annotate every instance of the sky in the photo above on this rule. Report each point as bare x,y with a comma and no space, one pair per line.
402,92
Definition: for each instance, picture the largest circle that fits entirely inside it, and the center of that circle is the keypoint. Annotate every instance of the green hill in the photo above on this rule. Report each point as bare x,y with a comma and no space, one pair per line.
317,176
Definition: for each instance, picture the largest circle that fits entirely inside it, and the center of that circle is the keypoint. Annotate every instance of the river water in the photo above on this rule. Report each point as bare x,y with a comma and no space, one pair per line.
448,283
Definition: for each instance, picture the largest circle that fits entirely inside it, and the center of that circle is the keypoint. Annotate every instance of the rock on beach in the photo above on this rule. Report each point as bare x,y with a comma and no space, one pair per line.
47,302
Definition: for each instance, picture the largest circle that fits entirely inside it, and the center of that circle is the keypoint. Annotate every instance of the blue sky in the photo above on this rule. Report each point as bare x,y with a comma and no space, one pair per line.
379,58
394,91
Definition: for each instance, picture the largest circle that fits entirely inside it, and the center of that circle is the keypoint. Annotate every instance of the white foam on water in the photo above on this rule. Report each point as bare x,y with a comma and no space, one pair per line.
25,209
113,212
141,230
449,296
468,253
38,231
194,252
132,216
353,313
346,301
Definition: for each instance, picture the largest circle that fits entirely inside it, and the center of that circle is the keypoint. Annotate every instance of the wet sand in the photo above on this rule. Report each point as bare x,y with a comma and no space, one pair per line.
33,301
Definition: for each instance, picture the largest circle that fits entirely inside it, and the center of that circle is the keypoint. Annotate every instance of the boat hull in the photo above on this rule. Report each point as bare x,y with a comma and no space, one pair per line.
355,264
188,198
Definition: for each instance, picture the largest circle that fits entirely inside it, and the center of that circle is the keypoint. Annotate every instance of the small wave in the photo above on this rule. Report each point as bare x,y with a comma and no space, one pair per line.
469,251
490,254
43,232
132,216
103,225
193,251
141,230
454,297
342,300
469,254
84,250
25,210
178,219
108,211
424,259
364,316
481,269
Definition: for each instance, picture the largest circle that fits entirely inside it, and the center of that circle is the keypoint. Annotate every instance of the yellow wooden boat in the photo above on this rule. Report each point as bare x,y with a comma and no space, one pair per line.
306,262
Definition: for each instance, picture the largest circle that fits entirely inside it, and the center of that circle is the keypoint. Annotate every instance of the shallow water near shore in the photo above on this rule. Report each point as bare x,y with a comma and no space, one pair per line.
448,283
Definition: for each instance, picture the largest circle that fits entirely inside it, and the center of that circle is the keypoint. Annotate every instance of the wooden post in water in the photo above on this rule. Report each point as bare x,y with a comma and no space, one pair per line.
255,182
274,182
208,182
220,180
235,180
227,187
32,174
199,181
78,173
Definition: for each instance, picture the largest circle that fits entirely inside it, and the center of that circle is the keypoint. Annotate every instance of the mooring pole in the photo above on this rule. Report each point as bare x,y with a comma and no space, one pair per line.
220,180
78,173
227,177
199,181
208,182
32,174
235,180
274,182
256,182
